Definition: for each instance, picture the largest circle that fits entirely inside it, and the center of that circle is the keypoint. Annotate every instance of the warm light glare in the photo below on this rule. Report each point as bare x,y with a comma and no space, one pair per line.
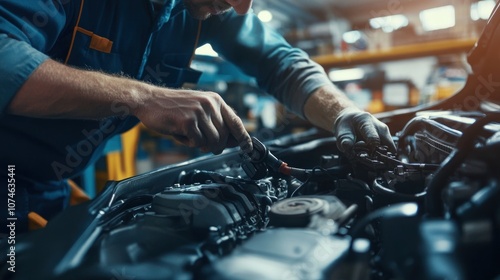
389,23
438,18
346,74
482,9
265,16
351,37
206,50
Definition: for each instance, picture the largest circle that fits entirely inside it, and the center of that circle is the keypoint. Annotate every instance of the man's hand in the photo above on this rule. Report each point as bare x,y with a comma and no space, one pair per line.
195,118
354,125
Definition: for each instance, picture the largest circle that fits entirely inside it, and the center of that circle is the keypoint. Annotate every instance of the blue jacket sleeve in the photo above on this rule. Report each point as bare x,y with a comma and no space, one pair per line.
285,72
28,28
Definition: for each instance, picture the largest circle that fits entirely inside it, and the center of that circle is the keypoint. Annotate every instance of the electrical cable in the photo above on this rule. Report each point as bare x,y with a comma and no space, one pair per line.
299,188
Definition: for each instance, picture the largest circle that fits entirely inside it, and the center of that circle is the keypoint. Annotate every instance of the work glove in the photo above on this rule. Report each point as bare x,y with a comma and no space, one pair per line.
353,125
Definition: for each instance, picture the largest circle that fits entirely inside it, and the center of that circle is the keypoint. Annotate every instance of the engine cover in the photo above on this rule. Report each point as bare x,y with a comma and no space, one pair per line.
282,254
205,205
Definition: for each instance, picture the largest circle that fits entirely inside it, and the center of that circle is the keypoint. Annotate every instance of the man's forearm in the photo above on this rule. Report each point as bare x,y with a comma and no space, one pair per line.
58,91
195,118
324,105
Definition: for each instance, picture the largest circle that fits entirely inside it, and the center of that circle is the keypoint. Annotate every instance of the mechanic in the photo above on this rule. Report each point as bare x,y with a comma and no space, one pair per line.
76,72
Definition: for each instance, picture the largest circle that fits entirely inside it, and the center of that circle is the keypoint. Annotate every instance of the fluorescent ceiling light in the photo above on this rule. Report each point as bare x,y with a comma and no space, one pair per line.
265,16
389,23
206,50
438,18
482,9
346,74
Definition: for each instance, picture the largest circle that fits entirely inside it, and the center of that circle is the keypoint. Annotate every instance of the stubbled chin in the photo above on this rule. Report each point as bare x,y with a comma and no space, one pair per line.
202,14
199,15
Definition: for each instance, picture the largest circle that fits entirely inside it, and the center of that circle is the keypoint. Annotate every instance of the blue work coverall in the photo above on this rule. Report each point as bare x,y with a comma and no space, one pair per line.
128,37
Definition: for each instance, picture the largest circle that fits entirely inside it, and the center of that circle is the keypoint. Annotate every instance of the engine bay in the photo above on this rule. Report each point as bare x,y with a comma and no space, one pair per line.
298,209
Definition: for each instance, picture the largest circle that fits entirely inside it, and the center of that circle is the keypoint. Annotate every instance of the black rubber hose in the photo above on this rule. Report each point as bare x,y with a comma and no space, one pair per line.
433,202
409,209
378,187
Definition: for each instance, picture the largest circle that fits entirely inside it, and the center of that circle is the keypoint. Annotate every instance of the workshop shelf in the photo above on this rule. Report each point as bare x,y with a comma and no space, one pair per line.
395,53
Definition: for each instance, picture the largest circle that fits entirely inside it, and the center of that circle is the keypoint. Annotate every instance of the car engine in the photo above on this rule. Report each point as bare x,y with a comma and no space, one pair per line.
295,209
